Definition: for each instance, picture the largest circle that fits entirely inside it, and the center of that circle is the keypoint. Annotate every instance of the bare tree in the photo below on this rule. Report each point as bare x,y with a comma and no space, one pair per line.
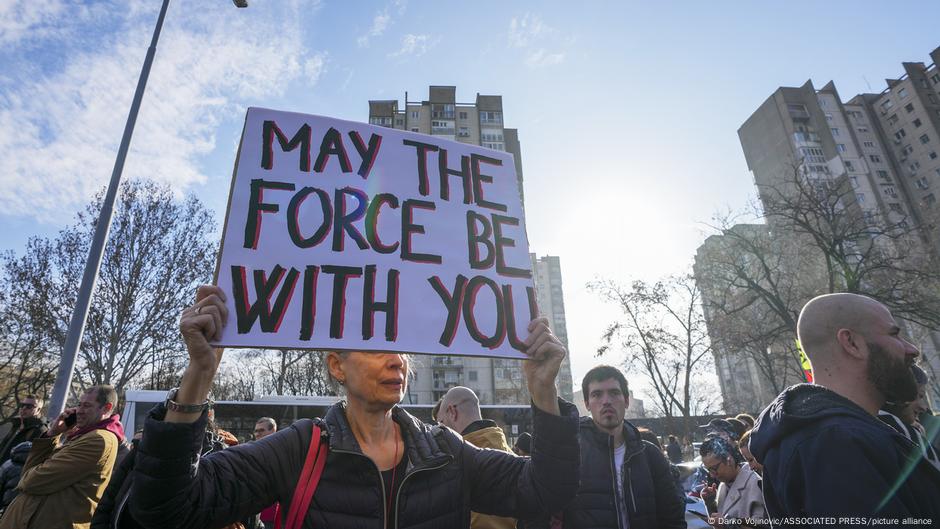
663,337
158,252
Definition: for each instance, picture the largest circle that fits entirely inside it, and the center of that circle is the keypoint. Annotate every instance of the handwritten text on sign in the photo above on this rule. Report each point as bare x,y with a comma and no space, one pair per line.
342,235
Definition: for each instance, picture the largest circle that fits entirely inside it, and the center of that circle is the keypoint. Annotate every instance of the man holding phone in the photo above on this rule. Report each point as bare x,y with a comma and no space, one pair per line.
69,468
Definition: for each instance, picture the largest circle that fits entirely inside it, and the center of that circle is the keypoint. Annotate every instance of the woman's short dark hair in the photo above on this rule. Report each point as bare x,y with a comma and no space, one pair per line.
720,448
601,373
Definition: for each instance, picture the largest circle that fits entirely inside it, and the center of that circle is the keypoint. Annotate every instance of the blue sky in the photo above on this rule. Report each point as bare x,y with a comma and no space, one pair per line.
627,111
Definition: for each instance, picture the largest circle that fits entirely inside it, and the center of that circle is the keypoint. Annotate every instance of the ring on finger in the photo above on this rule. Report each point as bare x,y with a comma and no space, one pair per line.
199,310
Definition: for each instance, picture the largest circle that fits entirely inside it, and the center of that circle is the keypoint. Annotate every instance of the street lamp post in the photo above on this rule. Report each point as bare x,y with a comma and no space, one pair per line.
73,340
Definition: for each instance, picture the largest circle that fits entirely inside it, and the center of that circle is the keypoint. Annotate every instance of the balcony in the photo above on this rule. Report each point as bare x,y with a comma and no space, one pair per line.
799,115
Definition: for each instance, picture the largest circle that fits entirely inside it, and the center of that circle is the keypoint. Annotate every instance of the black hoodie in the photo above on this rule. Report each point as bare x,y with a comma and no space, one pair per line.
824,456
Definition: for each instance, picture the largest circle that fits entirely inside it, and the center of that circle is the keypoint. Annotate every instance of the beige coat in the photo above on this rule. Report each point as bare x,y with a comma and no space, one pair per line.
742,498
490,437
61,485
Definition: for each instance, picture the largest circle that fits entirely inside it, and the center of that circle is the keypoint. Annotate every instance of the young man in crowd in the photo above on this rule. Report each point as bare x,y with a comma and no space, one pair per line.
824,451
617,465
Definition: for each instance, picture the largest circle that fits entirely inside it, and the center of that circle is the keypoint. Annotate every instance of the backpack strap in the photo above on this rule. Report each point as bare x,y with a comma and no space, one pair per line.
306,484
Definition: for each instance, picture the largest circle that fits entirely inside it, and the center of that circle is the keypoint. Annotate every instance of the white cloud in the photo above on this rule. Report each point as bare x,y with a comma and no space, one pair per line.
415,45
379,24
524,31
315,67
540,58
27,18
60,130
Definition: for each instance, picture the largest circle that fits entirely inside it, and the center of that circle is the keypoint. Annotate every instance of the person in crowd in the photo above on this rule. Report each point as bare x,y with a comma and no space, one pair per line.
625,481
824,451
460,411
384,467
264,427
10,473
746,419
650,436
746,452
902,416
722,428
63,480
674,451
435,410
26,426
523,446
739,495
739,427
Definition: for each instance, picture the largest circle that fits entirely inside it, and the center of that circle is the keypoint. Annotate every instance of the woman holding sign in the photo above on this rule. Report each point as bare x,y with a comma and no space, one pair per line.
383,468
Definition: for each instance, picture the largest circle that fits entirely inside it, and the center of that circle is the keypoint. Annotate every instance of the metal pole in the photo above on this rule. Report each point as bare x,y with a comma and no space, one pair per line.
77,323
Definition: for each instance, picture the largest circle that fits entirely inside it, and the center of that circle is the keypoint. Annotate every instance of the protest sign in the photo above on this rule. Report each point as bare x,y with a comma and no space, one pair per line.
346,236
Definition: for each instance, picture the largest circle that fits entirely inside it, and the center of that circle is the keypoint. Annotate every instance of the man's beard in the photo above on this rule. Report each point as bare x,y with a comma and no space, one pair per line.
892,377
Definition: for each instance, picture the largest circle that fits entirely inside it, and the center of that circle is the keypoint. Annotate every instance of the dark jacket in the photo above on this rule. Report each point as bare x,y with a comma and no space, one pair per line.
823,455
675,452
652,499
112,512
34,427
10,473
445,479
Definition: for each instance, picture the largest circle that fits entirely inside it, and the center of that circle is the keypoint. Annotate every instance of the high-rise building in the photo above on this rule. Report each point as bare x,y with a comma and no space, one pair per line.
884,147
495,381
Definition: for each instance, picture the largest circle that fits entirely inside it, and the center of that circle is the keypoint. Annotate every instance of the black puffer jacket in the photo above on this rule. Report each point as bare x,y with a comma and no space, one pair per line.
652,500
446,478
11,471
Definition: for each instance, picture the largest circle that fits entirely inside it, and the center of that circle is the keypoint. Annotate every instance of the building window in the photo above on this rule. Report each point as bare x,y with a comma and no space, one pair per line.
917,123
932,98
907,150
883,175
924,138
854,181
933,155
893,120
902,93
860,197
494,146
383,121
840,147
463,115
463,132
869,144
399,122
415,129
887,104
930,200
471,376
491,117
895,207
414,114
875,158
890,191
922,183
835,131
828,116
935,78
909,107
863,129
900,134
849,166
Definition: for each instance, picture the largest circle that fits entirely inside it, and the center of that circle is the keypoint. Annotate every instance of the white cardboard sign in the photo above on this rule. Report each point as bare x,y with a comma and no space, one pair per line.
347,236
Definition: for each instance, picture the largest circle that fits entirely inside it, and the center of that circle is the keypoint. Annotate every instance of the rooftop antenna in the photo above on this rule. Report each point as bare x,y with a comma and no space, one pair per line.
867,83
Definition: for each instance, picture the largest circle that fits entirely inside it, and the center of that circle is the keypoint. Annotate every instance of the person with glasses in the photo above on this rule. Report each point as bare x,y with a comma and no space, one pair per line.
739,495
26,426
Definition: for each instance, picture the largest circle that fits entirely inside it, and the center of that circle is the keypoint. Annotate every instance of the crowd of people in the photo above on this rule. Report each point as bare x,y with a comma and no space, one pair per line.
860,443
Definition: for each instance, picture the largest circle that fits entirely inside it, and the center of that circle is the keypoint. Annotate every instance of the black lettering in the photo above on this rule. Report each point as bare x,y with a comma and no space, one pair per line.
408,227
372,222
309,315
256,207
503,242
344,223
452,302
368,154
293,220
469,301
341,275
332,145
474,240
479,179
422,150
514,340
370,306
270,130
269,317
463,173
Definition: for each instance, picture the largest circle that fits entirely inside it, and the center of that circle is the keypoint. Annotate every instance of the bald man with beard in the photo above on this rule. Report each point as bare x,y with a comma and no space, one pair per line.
824,451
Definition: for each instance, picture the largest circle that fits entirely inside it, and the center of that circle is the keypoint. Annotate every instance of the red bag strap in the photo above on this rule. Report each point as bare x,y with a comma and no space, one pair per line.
306,484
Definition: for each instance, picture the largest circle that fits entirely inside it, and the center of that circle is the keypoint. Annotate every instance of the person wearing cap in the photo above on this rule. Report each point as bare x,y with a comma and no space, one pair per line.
523,444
